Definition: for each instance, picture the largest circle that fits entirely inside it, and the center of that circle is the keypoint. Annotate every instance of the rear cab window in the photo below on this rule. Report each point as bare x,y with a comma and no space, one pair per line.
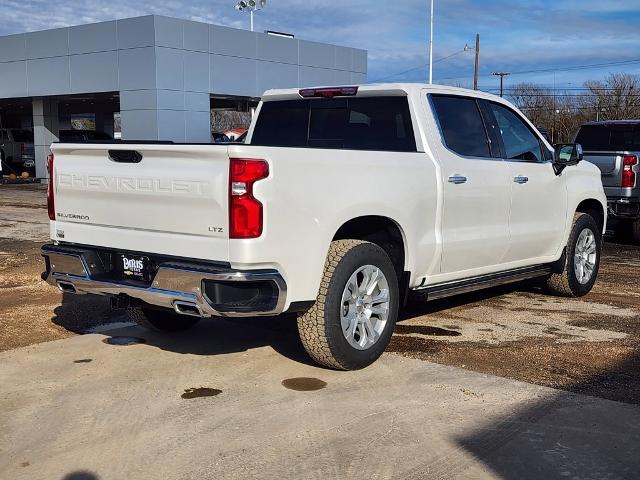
359,123
609,137
461,125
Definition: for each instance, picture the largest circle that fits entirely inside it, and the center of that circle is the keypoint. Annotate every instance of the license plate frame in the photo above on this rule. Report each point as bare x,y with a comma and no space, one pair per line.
134,267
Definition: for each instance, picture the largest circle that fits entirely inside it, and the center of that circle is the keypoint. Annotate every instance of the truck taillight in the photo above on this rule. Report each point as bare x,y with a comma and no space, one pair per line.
245,211
628,175
50,194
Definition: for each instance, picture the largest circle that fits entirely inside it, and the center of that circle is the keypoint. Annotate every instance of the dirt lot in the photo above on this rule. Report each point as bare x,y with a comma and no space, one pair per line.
589,345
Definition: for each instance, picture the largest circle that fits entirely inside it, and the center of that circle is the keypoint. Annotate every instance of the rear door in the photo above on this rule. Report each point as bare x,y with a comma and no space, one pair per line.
538,195
475,220
160,198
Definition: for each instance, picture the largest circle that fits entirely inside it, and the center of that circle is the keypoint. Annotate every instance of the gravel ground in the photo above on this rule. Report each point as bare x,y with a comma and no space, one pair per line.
589,345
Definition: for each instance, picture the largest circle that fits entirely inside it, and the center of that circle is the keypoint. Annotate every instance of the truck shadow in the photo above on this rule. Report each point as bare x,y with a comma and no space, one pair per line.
218,336
81,313
210,337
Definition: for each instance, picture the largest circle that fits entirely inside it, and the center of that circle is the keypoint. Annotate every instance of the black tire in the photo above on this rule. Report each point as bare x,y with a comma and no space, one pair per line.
161,320
565,283
320,327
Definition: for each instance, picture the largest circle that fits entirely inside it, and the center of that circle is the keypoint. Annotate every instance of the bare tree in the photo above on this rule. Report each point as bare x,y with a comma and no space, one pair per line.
562,112
615,98
535,101
223,120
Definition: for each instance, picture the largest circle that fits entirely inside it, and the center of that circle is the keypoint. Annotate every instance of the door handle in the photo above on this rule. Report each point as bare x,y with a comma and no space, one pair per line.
457,179
520,179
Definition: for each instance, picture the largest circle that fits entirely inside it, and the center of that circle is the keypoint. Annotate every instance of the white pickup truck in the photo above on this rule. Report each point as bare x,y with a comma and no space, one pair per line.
342,201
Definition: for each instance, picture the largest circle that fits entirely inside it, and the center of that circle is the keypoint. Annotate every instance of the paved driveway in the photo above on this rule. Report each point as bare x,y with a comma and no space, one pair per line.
79,408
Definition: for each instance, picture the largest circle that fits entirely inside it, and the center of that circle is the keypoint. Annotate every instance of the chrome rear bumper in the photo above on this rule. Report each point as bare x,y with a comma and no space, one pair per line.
175,285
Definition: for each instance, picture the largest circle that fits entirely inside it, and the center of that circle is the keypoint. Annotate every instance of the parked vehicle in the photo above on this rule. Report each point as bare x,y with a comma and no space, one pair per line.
79,136
242,138
342,202
235,133
614,147
219,137
16,150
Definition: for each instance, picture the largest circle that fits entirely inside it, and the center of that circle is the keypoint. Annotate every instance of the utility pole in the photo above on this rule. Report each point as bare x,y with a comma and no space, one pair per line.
501,75
475,74
431,45
553,130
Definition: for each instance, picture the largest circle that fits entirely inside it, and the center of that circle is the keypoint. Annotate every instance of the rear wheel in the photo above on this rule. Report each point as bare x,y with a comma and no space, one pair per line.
352,321
161,320
581,259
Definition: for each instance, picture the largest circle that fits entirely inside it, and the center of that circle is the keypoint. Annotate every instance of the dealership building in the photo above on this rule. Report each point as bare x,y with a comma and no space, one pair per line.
163,75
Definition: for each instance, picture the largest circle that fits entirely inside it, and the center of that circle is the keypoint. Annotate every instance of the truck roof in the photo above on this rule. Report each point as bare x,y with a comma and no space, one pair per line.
613,122
386,89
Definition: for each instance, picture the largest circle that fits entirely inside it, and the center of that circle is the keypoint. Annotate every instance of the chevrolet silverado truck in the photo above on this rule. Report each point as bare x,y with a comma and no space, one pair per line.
342,202
614,147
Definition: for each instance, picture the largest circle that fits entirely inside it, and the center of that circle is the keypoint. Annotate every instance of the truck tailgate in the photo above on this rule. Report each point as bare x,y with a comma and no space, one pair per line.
610,165
174,200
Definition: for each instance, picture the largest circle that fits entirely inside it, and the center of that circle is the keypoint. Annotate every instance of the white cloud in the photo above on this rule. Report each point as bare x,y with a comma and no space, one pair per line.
515,35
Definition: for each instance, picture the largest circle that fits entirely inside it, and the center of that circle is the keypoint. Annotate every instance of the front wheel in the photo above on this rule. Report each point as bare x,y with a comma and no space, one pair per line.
581,259
352,321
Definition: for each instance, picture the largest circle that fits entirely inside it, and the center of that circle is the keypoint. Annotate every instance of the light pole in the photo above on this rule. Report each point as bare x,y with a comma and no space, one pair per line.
251,6
501,75
477,63
431,45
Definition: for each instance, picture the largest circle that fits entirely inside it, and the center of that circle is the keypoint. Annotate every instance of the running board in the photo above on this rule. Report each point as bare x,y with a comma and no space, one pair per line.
472,284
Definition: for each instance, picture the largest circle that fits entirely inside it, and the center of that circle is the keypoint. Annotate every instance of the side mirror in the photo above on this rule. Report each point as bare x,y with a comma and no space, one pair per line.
566,155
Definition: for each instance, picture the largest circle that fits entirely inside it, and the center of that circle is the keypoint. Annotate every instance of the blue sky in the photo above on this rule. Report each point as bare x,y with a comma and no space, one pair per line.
515,36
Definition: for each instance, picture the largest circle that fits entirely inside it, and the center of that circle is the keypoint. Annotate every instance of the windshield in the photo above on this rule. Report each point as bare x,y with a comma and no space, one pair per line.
609,137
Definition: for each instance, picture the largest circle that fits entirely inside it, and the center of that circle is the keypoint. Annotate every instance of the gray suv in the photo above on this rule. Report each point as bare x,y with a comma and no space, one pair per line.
614,147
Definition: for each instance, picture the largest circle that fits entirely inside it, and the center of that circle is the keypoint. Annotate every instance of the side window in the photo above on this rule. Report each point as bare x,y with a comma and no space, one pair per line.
382,123
519,141
282,124
461,125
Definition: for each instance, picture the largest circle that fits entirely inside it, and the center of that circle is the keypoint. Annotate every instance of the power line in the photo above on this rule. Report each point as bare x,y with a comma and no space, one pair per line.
576,95
562,69
465,49
572,109
542,87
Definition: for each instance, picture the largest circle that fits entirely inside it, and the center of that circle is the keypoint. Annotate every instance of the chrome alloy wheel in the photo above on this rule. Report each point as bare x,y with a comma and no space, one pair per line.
365,307
585,256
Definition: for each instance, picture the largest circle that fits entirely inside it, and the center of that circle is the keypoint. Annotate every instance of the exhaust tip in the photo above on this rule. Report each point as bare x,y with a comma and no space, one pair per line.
67,287
187,308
